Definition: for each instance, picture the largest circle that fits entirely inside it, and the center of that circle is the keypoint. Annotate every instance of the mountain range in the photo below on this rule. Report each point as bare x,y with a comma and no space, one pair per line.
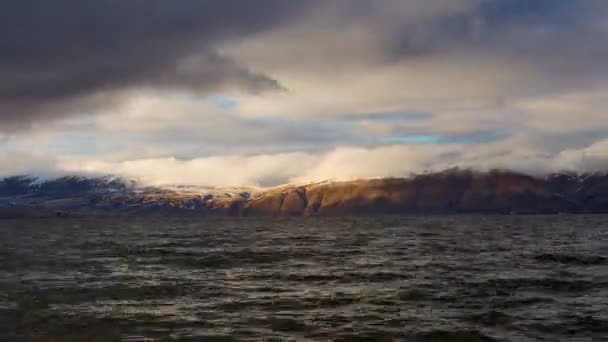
448,192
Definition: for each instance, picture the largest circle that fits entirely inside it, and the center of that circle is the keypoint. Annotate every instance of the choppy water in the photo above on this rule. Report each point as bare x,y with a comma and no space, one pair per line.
453,278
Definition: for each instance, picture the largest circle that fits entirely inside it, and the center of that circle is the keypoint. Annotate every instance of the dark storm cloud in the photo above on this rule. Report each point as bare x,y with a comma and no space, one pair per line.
73,56
501,25
65,55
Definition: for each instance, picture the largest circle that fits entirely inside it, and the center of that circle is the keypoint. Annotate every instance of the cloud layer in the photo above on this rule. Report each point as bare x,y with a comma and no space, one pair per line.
345,163
270,91
68,56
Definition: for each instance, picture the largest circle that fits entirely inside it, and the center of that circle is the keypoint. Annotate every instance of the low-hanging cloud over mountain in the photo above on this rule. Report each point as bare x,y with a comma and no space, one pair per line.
346,163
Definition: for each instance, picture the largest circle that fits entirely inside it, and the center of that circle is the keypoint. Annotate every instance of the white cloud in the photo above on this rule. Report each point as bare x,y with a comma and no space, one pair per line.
20,162
211,171
345,163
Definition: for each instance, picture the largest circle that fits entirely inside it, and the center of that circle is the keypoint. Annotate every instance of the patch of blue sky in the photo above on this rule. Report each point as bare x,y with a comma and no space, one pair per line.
413,138
74,145
471,138
4,142
224,102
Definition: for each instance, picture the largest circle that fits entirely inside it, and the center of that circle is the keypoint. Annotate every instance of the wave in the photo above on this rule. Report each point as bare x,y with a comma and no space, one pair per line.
571,259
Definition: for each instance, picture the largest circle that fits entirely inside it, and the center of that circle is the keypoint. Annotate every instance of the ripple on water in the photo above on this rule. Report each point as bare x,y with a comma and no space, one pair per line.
421,279
571,259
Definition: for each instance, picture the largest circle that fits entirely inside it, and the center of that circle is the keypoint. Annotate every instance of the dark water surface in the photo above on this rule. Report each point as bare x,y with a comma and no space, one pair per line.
450,278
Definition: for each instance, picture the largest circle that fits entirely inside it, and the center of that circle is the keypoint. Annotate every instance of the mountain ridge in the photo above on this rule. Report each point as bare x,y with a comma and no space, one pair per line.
450,191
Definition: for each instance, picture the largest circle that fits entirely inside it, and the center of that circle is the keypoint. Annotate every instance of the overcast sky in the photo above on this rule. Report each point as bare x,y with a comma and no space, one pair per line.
264,92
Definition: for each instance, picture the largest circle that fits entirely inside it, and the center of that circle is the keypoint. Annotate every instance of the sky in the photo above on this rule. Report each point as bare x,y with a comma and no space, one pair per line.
266,92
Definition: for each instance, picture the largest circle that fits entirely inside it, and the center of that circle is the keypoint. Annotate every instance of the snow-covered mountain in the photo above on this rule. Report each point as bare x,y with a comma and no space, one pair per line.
453,191
84,194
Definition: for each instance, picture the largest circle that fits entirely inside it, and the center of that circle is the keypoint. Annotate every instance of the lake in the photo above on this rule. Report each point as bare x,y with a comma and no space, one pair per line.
393,278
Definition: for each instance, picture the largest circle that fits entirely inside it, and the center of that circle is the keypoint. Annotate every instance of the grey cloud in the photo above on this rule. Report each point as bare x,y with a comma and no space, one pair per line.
67,56
227,134
557,35
63,56
526,28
